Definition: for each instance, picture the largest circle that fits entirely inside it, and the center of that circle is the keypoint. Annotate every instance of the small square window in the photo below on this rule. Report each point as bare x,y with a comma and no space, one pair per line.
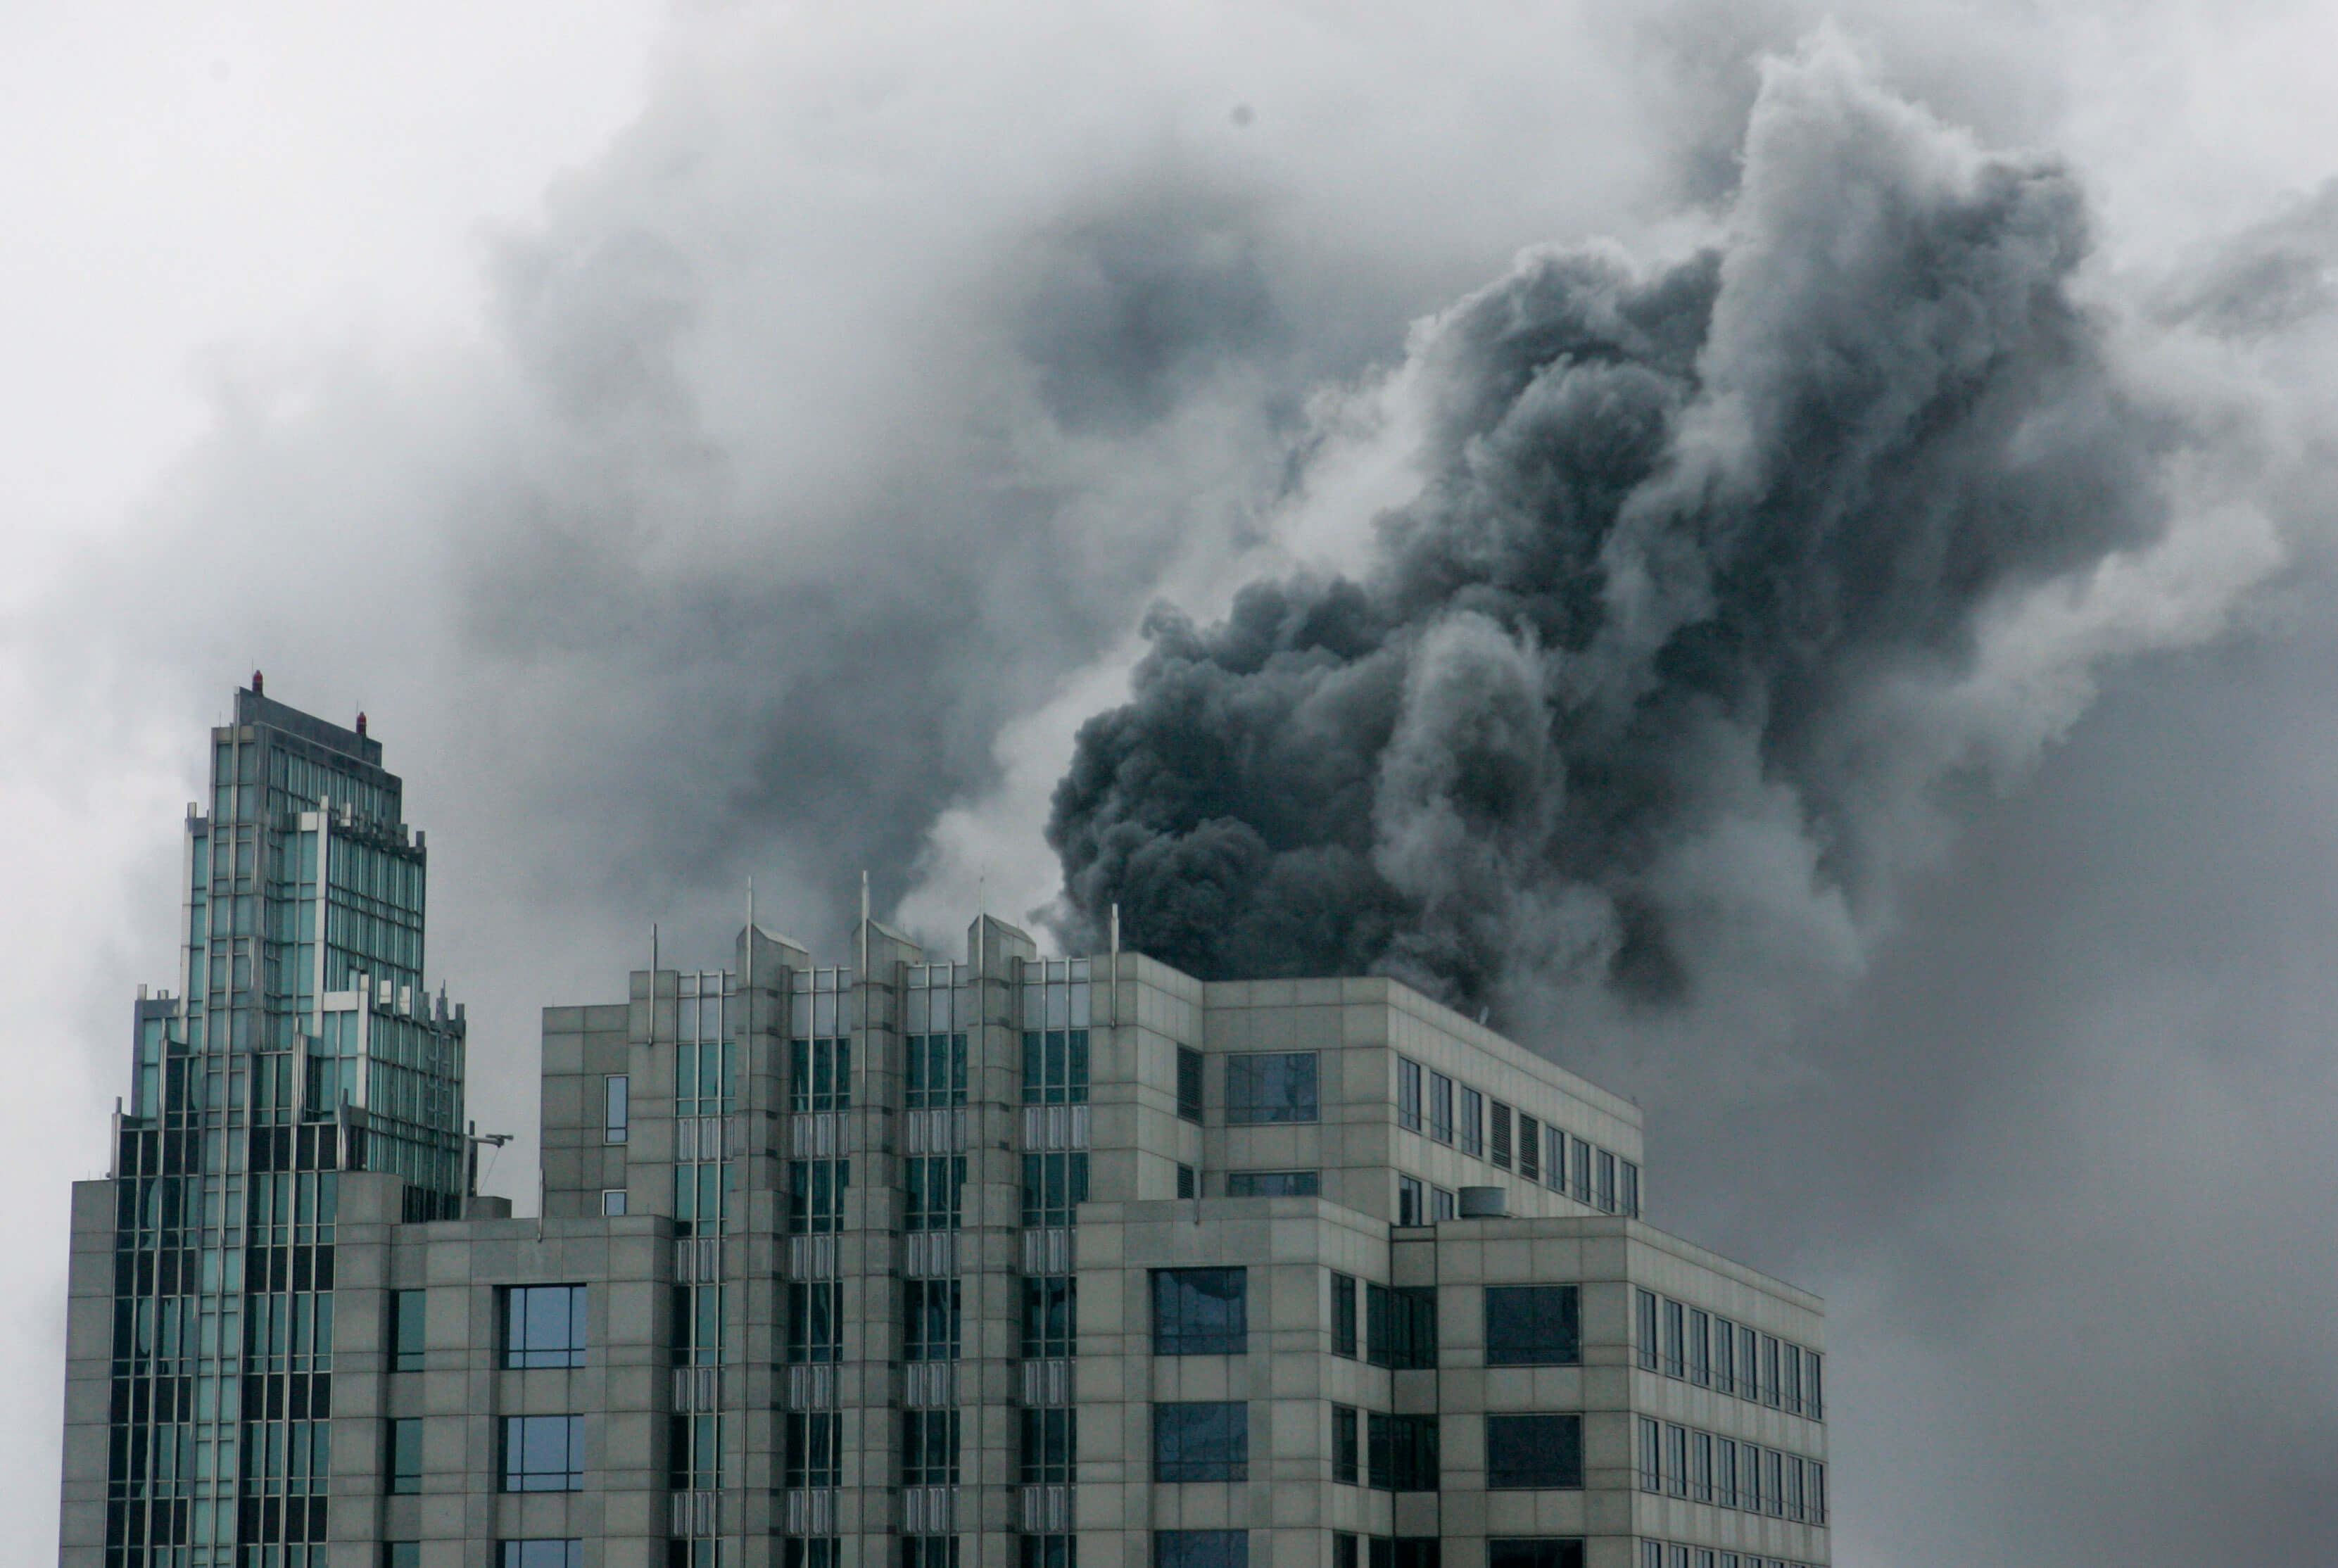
1201,1311
543,1326
613,1200
544,1454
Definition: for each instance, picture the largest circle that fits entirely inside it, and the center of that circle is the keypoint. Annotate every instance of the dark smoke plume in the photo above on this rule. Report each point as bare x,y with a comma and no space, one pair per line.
1691,541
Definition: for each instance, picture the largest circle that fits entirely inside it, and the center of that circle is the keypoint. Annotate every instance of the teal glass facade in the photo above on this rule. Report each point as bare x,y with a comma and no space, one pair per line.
303,1045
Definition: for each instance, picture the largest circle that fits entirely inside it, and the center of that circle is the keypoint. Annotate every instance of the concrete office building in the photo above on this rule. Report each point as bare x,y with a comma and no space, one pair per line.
991,1261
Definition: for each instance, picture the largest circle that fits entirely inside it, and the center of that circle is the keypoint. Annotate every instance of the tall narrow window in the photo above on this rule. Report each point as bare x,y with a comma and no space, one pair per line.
1652,1455
1501,1150
929,1444
1554,1158
1674,1321
409,1322
812,1449
1605,1198
1529,1147
1813,1388
1189,1182
929,1319
1724,1356
543,1326
1279,1087
1409,1196
1050,1445
1408,1094
1699,1327
1628,1190
1582,1187
1346,1445
1440,1107
1050,1303
1189,1083
815,1309
1471,1122
1343,1314
1789,1377
1645,1319
1201,1311
616,1109
405,1455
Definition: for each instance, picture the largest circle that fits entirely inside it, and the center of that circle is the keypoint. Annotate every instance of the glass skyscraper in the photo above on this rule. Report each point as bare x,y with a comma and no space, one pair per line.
302,1043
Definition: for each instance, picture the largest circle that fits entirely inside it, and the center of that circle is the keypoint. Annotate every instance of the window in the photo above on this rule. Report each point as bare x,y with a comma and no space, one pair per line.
1050,1445
1055,1067
1201,1549
1652,1456
1345,1445
1699,1330
816,1190
1813,1390
539,1553
1409,1209
1049,1551
1273,1183
1724,1473
1280,1087
613,1200
1533,1326
1534,1451
1676,1460
819,1075
406,1456
1440,1204
1724,1356
1404,1552
543,1326
1583,1153
1049,1301
615,1111
1408,1094
1343,1314
1789,1377
1815,1490
1554,1157
937,1075
1700,1467
1440,1107
543,1453
929,1440
1673,1331
697,1325
1189,1182
1627,1196
1201,1441
813,1449
408,1321
1401,1452
815,1309
929,1319
1400,1325
401,1554
929,1552
810,1552
1748,1363
1501,1153
1544,1552
1529,1147
1606,1197
936,1184
1345,1552
693,1451
1769,1370
1189,1083
1201,1311
1472,1122
1054,1187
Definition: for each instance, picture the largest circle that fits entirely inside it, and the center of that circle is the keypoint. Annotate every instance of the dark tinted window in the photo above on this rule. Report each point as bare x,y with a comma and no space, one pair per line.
408,1321
1200,1442
1532,1326
1048,1551
1050,1445
1201,1311
1537,1552
1401,1326
543,1326
815,1321
1049,1302
1201,1549
540,1554
929,1319
1274,1183
1402,1455
1271,1088
1534,1451
1347,1446
1189,1083
1343,1314
930,1441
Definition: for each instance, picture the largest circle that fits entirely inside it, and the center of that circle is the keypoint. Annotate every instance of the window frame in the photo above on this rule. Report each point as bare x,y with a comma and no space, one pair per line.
517,1438
1257,1095
522,1321
1178,1296
616,1107
1505,1431
1200,1440
1560,1346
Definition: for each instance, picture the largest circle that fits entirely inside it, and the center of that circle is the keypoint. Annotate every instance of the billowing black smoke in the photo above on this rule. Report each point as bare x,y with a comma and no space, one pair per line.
1685,533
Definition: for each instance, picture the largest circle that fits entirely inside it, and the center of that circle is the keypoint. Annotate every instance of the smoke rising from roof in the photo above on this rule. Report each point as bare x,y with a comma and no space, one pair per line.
1713,574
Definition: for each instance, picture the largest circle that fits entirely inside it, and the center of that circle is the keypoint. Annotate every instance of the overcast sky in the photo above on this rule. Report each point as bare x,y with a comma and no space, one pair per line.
722,440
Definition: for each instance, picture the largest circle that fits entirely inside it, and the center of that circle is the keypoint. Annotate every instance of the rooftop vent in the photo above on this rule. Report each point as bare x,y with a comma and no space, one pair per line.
1485,1203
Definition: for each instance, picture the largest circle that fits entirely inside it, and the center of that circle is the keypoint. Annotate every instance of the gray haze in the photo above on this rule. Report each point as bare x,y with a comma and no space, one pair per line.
777,494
